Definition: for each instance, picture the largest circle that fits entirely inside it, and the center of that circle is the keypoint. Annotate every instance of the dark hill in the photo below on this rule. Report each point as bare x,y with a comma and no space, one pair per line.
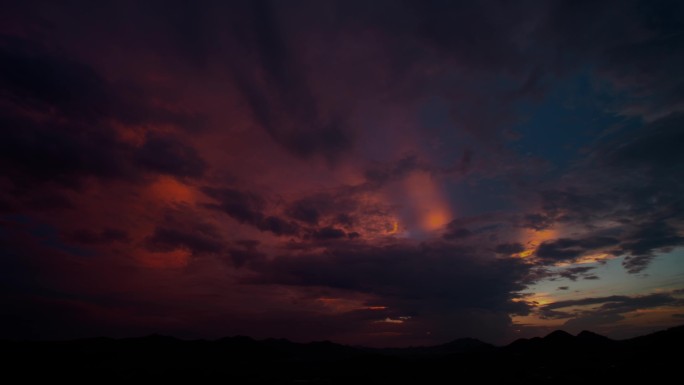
459,346
556,358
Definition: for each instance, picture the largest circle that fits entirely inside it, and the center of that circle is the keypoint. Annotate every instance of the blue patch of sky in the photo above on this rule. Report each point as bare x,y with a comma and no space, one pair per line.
574,114
664,274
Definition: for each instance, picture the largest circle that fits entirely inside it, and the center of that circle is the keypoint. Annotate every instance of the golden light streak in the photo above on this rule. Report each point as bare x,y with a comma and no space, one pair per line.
344,305
395,228
531,239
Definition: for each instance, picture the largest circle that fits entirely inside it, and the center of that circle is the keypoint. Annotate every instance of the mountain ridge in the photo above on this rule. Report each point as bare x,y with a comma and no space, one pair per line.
558,356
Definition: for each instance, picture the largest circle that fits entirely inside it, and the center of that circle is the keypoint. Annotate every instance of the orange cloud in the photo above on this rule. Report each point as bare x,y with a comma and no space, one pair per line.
427,201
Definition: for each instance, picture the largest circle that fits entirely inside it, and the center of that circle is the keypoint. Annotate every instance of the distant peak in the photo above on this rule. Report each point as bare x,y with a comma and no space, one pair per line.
559,335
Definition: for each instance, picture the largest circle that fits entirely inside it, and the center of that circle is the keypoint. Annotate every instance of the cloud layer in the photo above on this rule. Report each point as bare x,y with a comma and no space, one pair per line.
374,173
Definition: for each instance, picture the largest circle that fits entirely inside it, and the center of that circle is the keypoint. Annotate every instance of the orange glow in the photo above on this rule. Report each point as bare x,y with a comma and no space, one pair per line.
376,308
427,201
130,134
435,220
588,259
531,239
341,305
166,260
344,305
166,188
394,229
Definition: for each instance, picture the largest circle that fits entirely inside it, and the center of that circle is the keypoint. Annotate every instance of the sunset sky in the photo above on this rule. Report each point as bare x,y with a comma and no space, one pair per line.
382,173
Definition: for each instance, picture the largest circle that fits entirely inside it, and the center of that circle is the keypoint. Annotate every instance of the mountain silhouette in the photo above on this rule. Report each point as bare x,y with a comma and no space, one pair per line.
589,338
558,357
559,336
459,346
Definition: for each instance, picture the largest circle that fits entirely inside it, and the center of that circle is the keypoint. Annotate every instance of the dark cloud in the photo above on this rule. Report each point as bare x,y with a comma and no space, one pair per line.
456,233
182,229
337,207
199,241
642,245
653,149
34,152
568,249
105,236
620,303
345,220
623,181
244,251
509,248
468,228
34,78
247,208
281,101
58,115
328,233
305,211
383,173
165,155
611,309
537,221
573,273
562,288
404,272
278,226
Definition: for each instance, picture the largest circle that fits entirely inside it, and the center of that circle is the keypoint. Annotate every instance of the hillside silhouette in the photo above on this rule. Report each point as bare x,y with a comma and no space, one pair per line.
556,358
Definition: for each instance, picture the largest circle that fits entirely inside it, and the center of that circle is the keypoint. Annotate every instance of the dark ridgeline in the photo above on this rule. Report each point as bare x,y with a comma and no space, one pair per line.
557,358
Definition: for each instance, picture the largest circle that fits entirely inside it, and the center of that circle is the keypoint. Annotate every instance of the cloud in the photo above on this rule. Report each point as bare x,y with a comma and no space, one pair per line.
278,226
537,221
563,249
621,183
645,241
166,239
245,251
573,273
383,173
61,115
328,233
611,309
180,228
165,155
305,211
105,236
247,208
403,271
280,99
287,132
509,248
440,286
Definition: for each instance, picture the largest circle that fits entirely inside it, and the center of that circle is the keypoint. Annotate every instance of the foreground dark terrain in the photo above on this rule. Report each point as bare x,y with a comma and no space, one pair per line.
557,358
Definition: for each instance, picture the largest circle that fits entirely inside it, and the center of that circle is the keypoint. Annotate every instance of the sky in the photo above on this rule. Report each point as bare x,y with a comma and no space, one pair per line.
379,173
